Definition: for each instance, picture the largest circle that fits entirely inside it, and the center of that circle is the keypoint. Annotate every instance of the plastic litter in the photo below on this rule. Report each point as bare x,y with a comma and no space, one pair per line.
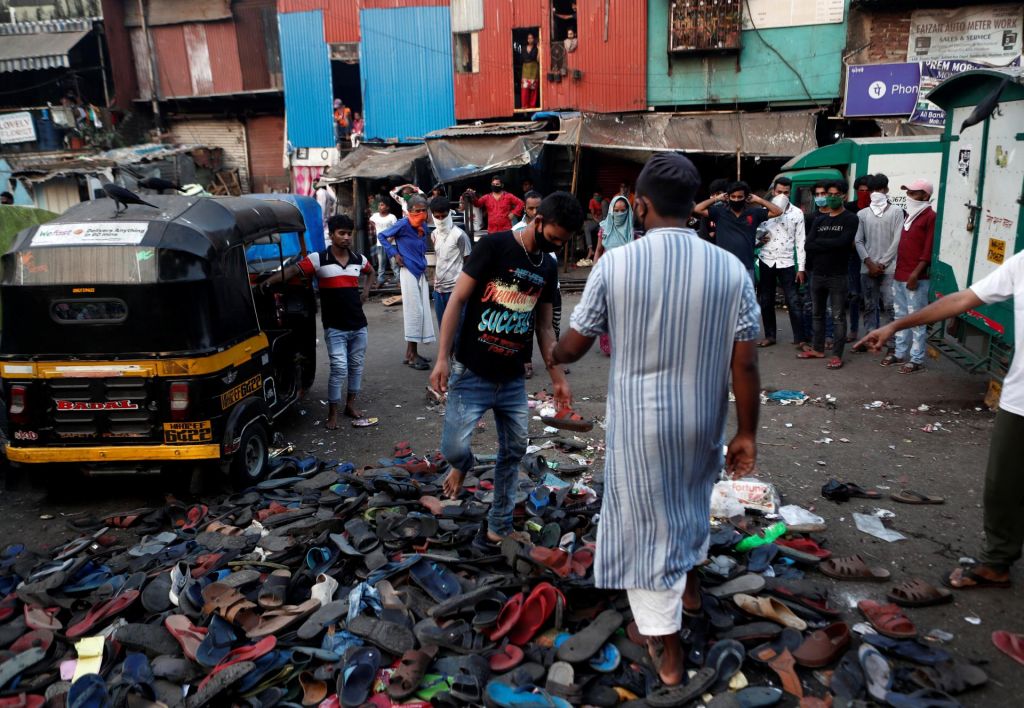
924,408
883,513
873,526
938,636
972,619
788,396
795,515
751,494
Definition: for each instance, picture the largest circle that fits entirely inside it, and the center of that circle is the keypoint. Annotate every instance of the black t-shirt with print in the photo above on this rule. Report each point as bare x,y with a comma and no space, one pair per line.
500,320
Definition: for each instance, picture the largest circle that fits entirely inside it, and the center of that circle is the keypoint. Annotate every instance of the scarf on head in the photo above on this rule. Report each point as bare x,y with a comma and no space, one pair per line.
616,235
879,203
914,207
444,226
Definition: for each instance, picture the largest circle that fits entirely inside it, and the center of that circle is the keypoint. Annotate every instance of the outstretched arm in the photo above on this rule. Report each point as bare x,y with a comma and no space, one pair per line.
746,385
942,309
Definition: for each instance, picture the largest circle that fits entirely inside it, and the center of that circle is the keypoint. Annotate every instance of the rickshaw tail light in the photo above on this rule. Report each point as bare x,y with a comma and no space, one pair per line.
18,407
179,400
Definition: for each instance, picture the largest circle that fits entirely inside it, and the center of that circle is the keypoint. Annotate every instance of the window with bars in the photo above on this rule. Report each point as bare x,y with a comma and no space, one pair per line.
703,26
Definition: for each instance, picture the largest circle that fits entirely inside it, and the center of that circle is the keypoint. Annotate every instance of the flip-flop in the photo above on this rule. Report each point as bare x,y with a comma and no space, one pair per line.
726,657
436,579
188,636
877,672
151,639
392,637
856,490
215,646
101,612
978,581
588,641
852,568
749,584
508,617
918,593
887,619
809,354
276,621
272,594
411,668
1010,644
909,649
805,546
834,363
682,695
909,496
323,618
18,664
749,697
365,422
770,609
783,664
568,419
219,683
504,696
538,607
356,678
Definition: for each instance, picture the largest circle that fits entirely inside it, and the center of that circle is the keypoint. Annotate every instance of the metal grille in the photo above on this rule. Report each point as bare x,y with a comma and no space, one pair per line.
137,422
700,26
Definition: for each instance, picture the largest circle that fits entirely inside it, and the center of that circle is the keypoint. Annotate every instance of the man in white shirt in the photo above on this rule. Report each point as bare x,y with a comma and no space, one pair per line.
1003,500
452,247
379,223
878,238
782,263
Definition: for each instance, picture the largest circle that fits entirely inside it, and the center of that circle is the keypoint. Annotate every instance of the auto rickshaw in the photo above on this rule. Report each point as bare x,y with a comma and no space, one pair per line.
142,339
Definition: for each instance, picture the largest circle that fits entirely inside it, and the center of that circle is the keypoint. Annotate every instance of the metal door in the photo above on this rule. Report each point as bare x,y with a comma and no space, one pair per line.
958,219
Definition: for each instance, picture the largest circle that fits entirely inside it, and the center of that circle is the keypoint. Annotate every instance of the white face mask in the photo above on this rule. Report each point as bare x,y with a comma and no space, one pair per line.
444,225
781,201
914,207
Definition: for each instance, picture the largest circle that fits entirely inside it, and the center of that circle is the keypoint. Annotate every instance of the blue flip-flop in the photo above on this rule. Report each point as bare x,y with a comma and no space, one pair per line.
218,642
89,691
505,696
607,659
909,649
356,679
435,579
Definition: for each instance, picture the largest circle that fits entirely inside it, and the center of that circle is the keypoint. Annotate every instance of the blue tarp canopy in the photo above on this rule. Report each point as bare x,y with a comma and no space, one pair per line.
314,235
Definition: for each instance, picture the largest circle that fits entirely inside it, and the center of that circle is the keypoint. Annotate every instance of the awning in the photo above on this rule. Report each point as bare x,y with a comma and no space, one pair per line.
468,151
370,162
39,45
46,166
637,136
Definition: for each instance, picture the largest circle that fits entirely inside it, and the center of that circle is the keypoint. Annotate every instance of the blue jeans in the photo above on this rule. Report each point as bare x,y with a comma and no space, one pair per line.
440,303
469,397
907,302
877,301
346,349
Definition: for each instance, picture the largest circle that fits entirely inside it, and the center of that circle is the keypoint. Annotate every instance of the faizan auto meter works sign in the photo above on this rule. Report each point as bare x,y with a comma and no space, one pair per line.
985,33
881,89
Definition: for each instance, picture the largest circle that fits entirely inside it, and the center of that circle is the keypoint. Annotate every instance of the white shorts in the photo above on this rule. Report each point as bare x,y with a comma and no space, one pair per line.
657,612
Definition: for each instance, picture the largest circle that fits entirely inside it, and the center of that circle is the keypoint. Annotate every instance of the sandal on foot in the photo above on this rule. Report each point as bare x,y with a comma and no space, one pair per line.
956,580
911,367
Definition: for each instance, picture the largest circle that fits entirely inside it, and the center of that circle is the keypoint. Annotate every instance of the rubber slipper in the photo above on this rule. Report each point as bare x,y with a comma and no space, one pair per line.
977,580
681,695
587,642
770,609
389,636
568,419
361,536
537,609
952,677
215,646
783,664
750,584
463,600
852,568
858,491
561,682
1010,644
877,672
151,639
909,649
823,647
887,619
749,697
804,545
18,664
41,638
834,363
365,422
457,635
767,535
89,691
356,679
280,619
909,496
848,681
761,557
244,654
101,612
504,696
607,659
918,593
555,560
436,579
726,658
323,618
40,618
188,636
924,698
219,683
508,617
156,595
272,594
411,668
506,658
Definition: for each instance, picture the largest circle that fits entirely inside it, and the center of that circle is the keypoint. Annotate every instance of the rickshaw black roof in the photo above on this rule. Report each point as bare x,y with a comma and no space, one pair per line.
204,226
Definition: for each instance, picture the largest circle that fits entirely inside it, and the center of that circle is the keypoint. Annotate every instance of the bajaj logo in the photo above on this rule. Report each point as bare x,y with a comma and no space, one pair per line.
99,406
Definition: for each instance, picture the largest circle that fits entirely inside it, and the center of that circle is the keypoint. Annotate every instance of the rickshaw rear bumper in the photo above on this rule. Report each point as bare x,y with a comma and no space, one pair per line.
111,453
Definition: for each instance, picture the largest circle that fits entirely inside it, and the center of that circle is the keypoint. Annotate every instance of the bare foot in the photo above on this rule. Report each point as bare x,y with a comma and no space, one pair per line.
453,483
352,412
331,424
517,535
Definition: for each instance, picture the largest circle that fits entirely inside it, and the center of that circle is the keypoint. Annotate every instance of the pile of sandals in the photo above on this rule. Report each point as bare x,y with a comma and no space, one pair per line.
328,585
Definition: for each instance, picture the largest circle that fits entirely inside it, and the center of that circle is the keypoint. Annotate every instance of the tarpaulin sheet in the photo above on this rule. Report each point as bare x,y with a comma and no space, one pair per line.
775,134
376,163
460,158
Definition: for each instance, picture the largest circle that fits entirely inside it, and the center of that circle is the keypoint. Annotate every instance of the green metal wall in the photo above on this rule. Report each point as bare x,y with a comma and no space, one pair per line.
814,51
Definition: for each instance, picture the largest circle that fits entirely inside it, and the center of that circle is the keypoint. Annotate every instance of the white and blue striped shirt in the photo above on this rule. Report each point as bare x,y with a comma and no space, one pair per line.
673,305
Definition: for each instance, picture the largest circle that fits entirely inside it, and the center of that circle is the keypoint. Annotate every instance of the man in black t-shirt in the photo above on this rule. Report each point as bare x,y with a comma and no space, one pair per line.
828,252
507,286
338,271
737,213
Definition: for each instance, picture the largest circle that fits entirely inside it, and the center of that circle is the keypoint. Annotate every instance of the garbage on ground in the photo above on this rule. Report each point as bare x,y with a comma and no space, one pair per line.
873,526
795,515
973,619
786,397
938,635
883,513
749,494
933,427
924,408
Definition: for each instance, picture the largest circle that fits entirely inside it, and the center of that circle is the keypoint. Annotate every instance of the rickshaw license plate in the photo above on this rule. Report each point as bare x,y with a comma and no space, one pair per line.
192,432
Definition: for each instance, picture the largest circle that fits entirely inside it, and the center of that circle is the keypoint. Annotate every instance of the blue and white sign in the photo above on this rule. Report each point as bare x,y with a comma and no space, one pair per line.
882,89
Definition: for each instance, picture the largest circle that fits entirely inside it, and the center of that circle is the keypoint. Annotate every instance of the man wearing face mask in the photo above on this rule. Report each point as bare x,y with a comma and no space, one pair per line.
532,200
502,207
406,243
737,213
782,263
862,194
878,237
910,286
828,246
506,287
451,246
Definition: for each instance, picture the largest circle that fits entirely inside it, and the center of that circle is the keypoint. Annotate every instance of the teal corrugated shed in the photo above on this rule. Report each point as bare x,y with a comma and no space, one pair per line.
308,92
405,59
814,52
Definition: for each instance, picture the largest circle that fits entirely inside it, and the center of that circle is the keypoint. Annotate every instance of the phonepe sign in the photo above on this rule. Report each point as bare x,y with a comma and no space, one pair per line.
882,89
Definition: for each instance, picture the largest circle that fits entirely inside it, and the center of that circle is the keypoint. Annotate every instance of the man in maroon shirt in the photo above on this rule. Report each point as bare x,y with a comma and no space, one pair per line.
502,207
911,279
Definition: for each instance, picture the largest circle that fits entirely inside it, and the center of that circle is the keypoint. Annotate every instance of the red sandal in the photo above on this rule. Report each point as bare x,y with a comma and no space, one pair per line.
568,419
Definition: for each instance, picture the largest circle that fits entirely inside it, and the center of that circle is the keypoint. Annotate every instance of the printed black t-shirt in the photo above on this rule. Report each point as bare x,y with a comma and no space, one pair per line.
500,319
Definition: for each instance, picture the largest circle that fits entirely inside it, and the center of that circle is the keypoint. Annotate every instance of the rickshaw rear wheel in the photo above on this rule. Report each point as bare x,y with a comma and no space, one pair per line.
251,462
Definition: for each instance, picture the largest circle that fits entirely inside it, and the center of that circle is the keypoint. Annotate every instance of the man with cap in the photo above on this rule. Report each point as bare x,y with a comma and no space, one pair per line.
682,316
502,207
911,278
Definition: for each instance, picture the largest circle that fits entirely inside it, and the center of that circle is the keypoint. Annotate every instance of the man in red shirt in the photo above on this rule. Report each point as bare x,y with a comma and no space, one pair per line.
911,279
502,207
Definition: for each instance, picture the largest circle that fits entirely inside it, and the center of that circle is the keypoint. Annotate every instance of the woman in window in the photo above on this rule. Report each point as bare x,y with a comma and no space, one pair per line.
531,73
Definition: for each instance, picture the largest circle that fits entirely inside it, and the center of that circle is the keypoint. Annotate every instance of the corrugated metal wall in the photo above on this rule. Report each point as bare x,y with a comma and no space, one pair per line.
614,72
306,65
225,66
259,48
57,195
406,75
228,135
467,15
265,138
119,46
341,21
193,59
304,5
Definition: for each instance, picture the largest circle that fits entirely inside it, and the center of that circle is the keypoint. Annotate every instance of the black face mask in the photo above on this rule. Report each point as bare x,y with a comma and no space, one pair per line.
496,187
737,205
543,243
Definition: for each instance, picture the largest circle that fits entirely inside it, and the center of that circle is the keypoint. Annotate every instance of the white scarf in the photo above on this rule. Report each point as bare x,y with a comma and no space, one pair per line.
914,207
879,203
